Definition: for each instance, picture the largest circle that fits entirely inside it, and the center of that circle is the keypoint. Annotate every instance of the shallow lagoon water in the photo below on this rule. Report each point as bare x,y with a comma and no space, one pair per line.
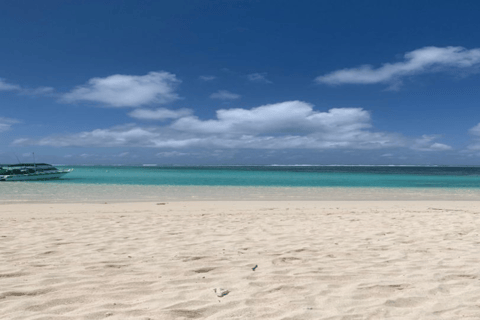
107,184
280,176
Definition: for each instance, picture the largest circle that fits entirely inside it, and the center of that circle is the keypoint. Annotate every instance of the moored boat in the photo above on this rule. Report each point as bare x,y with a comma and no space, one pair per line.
30,171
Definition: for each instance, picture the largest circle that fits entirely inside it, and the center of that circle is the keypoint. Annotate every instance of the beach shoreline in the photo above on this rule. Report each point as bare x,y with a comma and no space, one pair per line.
92,193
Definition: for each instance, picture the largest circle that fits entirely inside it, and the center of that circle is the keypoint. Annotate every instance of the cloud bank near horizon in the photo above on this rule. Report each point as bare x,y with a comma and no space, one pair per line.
423,60
286,125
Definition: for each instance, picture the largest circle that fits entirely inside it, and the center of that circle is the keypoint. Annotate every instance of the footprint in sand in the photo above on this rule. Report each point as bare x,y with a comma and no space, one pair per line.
405,302
203,270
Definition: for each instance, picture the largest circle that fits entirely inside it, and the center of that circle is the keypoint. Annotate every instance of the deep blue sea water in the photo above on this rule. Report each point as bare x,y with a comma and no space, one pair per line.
278,176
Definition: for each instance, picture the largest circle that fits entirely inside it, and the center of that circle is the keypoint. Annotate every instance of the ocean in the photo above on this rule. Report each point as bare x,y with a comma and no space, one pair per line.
168,183
278,176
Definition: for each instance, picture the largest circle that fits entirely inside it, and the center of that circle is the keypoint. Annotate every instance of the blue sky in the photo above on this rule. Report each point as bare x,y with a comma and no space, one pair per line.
240,82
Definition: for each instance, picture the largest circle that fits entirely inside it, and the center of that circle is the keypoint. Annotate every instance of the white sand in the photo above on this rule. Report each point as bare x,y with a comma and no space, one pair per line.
316,260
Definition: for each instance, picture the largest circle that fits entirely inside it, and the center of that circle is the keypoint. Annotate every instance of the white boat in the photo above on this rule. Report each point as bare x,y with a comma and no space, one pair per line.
30,171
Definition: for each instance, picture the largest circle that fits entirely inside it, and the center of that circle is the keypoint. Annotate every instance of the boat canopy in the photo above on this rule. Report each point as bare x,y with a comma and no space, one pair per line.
25,165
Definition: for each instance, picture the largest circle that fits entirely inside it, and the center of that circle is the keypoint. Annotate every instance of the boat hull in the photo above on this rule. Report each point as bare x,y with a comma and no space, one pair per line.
33,176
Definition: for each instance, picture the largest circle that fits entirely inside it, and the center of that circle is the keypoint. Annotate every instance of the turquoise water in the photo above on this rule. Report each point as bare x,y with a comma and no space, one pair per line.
279,176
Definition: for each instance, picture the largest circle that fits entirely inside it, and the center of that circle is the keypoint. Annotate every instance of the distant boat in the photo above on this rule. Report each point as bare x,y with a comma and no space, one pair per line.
30,171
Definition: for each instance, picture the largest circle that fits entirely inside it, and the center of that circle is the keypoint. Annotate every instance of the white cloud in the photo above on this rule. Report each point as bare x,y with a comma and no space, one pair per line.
25,141
258,77
426,143
475,131
7,86
159,114
387,155
207,78
112,137
440,147
86,155
224,95
292,124
287,117
40,91
127,90
475,144
424,60
170,154
6,123
287,125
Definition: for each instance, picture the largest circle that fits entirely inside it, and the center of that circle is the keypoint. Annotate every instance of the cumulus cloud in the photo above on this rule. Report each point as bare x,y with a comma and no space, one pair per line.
291,124
224,95
159,114
286,125
127,90
286,117
258,77
207,78
426,143
423,60
6,123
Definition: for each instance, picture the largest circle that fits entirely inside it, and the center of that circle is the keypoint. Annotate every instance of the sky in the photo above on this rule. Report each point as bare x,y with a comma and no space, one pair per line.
240,82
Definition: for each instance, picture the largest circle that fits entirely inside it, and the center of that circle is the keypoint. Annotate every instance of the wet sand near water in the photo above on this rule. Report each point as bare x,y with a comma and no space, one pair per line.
21,192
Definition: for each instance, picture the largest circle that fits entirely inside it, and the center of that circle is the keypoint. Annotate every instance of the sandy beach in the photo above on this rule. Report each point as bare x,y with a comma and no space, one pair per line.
277,259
